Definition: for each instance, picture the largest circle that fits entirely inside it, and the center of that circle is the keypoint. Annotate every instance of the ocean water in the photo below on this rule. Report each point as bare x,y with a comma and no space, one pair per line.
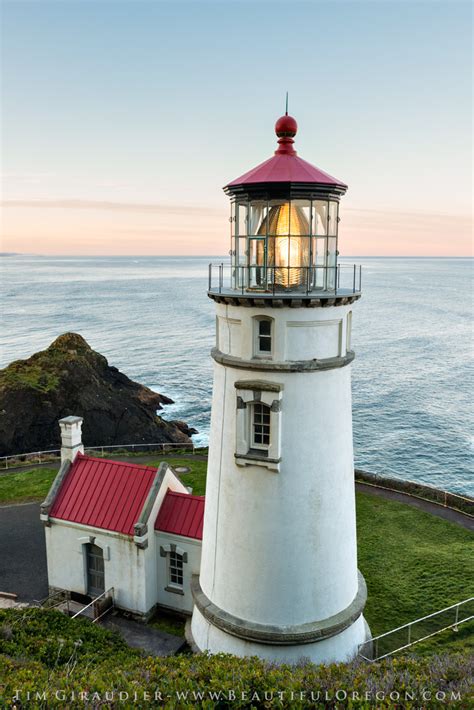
150,316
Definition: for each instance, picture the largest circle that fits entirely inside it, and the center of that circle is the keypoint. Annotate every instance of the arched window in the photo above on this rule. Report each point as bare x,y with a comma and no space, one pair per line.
263,336
95,570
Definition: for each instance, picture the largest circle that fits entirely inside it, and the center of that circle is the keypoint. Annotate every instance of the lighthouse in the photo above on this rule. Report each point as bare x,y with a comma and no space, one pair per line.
279,576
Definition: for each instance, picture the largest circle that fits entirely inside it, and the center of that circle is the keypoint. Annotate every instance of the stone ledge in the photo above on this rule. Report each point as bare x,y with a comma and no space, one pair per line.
329,363
280,635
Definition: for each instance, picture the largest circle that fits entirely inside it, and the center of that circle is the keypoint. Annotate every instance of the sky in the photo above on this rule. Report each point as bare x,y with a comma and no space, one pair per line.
123,119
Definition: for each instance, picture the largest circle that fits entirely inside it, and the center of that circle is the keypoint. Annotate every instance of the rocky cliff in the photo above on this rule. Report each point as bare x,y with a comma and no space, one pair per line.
71,378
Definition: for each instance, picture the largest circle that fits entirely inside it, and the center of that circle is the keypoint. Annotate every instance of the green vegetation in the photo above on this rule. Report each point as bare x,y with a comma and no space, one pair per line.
196,478
44,650
43,370
26,486
414,563
171,623
19,375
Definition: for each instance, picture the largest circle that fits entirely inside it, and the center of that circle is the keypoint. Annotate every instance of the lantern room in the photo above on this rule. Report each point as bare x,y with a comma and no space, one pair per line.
284,228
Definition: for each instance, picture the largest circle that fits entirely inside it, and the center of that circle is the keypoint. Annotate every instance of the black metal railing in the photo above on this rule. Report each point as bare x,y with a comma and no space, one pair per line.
281,280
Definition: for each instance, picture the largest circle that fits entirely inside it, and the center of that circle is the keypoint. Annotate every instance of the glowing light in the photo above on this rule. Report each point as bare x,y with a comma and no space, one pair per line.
288,249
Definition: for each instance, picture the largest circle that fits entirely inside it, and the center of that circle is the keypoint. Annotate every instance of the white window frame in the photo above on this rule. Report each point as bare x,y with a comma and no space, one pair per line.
175,569
167,551
249,393
253,407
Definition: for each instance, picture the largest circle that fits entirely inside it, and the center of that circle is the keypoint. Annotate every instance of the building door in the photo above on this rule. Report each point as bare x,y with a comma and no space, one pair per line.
95,570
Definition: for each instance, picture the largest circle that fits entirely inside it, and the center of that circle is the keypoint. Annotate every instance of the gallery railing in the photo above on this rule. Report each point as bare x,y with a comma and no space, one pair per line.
408,635
281,280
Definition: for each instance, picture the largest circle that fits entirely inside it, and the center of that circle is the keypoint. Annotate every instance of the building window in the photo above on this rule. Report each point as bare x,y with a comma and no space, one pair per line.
263,336
176,559
260,436
175,569
258,423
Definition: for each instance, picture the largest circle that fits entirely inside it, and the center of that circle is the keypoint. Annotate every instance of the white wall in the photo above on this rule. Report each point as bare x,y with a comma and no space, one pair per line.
124,563
300,333
131,570
337,649
280,547
193,549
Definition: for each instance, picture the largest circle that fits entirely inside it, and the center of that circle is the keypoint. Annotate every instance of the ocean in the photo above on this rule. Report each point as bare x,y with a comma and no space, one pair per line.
151,318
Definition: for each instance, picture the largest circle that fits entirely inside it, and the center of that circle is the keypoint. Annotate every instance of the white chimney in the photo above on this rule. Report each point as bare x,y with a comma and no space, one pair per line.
71,438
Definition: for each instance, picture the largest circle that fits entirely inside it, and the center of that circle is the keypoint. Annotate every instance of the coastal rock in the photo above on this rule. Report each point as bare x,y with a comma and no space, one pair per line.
71,378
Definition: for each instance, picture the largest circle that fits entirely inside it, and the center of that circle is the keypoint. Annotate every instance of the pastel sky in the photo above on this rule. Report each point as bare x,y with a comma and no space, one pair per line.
123,119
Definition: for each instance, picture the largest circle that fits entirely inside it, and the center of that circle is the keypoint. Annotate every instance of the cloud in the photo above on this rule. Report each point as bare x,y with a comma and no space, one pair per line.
143,207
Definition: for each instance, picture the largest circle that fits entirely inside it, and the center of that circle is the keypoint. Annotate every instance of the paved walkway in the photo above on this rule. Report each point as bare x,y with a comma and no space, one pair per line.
154,642
23,552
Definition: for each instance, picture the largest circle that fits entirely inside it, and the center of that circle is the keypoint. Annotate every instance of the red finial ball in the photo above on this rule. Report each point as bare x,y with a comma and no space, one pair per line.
286,126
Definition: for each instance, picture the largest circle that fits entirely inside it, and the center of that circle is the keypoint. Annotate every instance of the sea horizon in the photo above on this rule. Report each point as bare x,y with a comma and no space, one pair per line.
412,411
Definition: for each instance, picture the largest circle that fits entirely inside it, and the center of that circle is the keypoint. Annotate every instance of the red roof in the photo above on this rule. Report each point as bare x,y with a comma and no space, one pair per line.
285,166
181,514
103,494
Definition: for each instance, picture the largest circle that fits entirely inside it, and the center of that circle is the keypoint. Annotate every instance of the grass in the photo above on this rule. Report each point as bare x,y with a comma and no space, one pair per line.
171,623
413,563
196,478
26,486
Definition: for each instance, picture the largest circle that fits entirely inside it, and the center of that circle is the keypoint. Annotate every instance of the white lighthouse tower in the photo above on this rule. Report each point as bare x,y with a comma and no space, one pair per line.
279,575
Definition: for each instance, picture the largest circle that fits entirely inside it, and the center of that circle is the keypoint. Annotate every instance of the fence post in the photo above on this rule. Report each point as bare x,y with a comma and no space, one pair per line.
354,280
409,634
457,618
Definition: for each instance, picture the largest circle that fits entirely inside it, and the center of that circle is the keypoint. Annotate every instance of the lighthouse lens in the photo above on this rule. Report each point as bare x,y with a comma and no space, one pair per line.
288,249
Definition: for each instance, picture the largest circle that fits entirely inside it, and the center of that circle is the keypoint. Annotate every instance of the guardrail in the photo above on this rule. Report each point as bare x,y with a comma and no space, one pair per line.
99,609
285,279
40,457
55,599
406,636
455,501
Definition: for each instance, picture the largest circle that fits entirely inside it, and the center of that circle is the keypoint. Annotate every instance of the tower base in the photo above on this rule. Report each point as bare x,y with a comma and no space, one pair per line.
202,635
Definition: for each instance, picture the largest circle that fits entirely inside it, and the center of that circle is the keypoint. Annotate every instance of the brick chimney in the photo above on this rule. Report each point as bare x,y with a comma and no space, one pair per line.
71,438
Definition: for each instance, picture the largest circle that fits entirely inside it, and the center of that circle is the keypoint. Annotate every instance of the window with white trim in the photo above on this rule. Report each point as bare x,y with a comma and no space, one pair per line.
175,568
260,424
263,335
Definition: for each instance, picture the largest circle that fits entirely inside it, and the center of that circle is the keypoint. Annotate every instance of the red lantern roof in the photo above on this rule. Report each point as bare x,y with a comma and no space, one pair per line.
181,514
285,166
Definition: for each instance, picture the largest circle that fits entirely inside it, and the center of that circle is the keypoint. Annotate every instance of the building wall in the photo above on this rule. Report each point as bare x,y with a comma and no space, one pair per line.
279,546
192,548
125,564
299,333
131,570
337,649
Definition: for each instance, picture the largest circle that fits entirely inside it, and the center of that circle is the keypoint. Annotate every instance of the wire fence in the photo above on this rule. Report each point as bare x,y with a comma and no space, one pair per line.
53,455
414,632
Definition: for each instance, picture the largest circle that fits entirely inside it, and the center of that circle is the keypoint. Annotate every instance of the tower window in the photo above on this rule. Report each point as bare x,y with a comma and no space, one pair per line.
260,426
175,568
263,336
